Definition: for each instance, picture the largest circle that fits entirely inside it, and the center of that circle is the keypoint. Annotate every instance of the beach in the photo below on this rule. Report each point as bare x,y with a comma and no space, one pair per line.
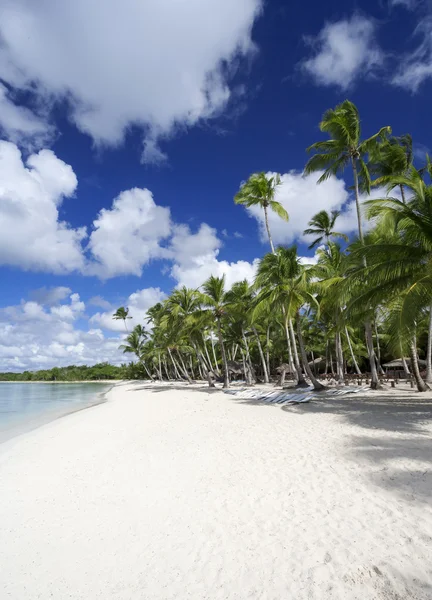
175,492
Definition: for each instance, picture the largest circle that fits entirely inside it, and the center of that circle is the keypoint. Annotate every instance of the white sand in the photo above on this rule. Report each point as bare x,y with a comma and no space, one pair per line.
175,494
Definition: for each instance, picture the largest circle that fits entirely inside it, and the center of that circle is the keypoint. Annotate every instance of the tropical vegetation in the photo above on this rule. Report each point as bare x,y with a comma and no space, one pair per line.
362,301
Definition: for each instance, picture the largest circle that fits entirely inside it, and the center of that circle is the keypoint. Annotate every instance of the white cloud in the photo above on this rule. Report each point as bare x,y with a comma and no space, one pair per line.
138,303
101,302
157,64
303,197
343,51
128,236
409,4
31,235
196,259
51,295
33,336
416,67
20,125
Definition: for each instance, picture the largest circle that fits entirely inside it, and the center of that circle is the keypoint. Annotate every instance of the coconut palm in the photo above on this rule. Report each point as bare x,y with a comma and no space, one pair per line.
392,158
322,224
214,298
122,314
345,147
401,270
260,190
286,283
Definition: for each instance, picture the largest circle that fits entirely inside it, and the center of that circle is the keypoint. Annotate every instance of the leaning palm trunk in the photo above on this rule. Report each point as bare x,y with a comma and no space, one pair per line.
174,364
368,326
429,350
290,356
405,366
317,385
183,368
421,385
260,350
203,365
353,358
224,356
248,358
301,379
214,355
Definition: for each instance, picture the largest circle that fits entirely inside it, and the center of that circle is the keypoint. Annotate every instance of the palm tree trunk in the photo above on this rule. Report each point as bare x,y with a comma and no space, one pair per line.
191,366
184,368
371,353
339,357
378,351
290,356
166,368
260,350
402,193
368,327
301,379
421,385
268,351
429,350
405,366
353,358
268,228
224,357
248,358
176,371
202,362
217,371
317,385
331,363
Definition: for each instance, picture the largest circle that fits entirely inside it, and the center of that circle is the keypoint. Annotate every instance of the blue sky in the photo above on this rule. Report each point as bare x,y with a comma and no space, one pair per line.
128,127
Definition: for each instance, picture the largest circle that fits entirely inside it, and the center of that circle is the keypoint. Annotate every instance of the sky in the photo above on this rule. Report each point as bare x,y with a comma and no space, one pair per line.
128,127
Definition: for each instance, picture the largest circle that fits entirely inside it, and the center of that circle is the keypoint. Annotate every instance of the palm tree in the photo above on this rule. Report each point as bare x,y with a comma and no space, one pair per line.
121,314
260,190
392,158
214,297
286,283
345,147
322,224
184,315
401,270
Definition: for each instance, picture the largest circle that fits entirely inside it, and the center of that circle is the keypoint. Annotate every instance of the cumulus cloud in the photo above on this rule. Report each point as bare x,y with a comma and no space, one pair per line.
416,67
20,125
31,234
196,258
50,296
302,197
157,64
36,336
343,51
138,303
127,236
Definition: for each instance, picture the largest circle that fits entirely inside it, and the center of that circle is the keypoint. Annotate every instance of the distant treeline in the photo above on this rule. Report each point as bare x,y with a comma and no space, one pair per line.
78,373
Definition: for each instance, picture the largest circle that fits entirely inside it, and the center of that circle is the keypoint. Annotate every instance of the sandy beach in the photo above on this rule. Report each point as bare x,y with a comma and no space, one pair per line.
180,492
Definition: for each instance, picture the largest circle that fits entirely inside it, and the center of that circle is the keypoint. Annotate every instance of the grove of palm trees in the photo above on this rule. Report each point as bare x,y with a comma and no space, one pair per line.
364,301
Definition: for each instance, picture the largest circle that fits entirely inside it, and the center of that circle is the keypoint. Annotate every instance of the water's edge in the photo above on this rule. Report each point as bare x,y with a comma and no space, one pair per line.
99,397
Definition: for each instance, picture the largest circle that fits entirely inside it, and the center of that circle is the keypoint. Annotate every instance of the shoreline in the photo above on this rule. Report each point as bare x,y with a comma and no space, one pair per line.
174,491
32,424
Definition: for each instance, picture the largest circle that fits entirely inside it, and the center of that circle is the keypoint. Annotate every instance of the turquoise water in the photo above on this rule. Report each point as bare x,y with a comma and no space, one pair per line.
25,406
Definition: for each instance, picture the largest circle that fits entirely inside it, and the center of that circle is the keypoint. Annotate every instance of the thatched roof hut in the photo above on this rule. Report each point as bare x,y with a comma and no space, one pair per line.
398,364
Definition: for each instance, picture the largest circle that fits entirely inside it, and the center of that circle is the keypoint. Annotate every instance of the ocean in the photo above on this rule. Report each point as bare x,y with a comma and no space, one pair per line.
25,406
